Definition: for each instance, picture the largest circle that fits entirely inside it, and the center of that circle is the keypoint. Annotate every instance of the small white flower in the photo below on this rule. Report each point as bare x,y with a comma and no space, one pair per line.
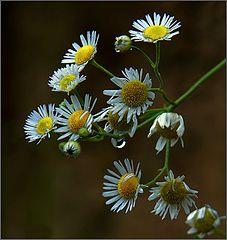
74,117
203,221
82,55
156,29
40,123
170,126
123,43
66,79
134,97
123,188
174,194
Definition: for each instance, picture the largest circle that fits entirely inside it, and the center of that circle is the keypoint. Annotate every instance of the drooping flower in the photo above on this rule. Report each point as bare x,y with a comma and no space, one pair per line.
75,117
82,55
134,97
173,194
40,123
203,221
112,123
156,29
66,79
122,188
170,126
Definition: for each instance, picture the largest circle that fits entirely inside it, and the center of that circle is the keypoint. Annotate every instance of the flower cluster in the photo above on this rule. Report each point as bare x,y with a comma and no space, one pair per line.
129,107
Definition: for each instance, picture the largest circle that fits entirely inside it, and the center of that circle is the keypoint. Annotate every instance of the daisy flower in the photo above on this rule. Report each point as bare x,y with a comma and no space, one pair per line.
74,117
40,123
173,194
170,126
133,98
66,79
156,29
203,221
82,55
122,188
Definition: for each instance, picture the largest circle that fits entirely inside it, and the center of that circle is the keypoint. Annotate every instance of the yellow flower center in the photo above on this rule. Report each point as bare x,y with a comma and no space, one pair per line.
67,80
84,54
127,185
205,224
44,124
119,126
134,93
155,32
173,192
75,121
167,132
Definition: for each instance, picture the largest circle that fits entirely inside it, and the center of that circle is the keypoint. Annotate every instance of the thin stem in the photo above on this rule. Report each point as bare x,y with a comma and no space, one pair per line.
165,167
157,50
97,65
163,94
148,120
196,85
146,56
157,60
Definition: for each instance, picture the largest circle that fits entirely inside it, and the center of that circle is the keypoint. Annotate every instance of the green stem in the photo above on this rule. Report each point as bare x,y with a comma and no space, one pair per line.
145,55
163,94
97,65
196,85
157,50
165,167
148,120
157,60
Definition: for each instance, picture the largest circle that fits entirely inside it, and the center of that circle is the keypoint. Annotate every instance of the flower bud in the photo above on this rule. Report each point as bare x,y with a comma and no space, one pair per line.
70,148
123,43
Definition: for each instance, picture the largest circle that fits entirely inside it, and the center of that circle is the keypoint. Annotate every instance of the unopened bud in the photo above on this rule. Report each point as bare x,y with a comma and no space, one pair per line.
123,43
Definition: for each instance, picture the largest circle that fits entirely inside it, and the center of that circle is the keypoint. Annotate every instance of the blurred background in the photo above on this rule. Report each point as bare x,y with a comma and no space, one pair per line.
45,194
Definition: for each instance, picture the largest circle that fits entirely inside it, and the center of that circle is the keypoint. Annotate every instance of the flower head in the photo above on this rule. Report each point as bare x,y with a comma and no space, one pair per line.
174,194
74,117
82,55
40,123
123,188
156,29
170,126
123,43
133,98
203,221
66,79
70,148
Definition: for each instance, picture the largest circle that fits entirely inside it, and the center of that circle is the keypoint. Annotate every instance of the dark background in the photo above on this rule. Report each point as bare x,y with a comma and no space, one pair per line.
46,195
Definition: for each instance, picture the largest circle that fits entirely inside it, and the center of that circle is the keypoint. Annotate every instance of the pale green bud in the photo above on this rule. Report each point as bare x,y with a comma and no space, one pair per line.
123,43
